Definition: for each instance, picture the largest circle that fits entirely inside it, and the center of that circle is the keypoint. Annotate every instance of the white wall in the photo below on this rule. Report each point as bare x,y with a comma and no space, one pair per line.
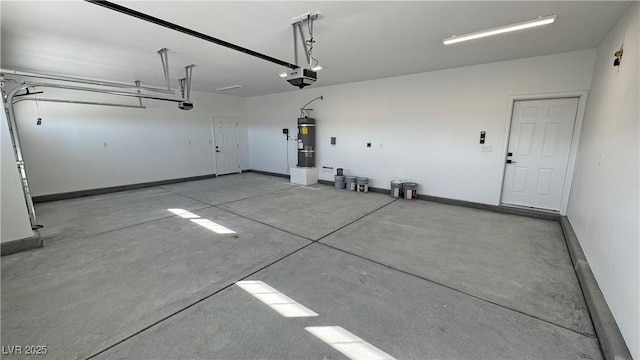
604,205
423,127
67,153
14,220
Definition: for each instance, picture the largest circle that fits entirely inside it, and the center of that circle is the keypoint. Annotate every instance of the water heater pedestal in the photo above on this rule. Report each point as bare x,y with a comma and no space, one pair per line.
304,176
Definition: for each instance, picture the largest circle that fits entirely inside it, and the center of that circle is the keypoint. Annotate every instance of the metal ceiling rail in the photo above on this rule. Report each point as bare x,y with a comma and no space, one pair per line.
85,81
80,102
27,84
17,148
15,137
184,30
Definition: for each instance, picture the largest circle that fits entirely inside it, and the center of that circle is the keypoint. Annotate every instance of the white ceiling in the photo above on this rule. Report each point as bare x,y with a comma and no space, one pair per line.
356,41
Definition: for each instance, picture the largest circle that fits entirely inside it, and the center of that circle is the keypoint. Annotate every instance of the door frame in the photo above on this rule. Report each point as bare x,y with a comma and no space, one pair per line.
213,143
575,139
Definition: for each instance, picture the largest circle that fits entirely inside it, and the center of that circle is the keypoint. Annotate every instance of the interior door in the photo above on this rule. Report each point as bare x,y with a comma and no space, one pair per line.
538,152
225,133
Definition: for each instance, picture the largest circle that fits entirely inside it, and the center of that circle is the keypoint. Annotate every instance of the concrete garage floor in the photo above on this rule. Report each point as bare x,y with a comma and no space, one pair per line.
122,277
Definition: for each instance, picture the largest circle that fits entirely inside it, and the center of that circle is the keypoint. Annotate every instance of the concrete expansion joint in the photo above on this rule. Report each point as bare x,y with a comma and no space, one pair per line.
592,336
358,219
186,196
244,278
89,236
255,196
223,288
263,223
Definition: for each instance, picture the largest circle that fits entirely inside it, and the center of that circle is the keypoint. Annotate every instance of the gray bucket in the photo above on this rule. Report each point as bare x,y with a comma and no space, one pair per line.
396,189
410,190
363,184
339,182
351,183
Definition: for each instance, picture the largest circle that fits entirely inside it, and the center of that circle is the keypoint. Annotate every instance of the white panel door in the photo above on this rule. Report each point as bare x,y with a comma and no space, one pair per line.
225,133
538,152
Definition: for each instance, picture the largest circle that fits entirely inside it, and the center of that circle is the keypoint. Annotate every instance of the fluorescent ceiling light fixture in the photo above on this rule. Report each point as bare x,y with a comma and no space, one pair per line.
542,20
229,87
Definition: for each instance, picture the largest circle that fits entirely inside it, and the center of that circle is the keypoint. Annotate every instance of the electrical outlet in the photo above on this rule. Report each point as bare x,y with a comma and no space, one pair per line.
105,144
368,145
